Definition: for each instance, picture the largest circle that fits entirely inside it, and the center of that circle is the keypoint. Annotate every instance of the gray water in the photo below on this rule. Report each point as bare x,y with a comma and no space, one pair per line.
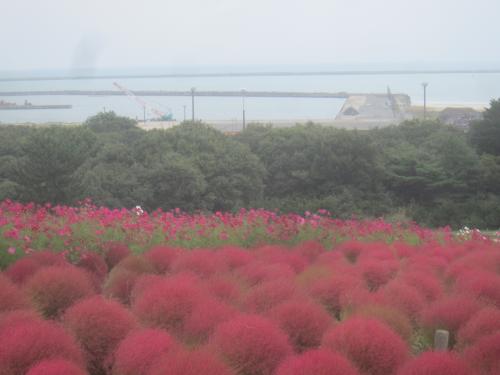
444,89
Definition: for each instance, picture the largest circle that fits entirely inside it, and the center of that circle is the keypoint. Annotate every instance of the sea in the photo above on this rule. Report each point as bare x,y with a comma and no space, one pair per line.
464,87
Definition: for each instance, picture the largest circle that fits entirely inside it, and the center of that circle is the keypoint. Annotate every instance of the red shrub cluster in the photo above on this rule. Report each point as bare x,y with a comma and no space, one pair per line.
371,345
200,262
11,296
316,362
99,325
168,303
191,363
119,285
264,296
436,363
96,266
304,322
403,297
450,313
114,252
53,289
25,267
25,343
162,257
138,353
251,344
485,322
56,367
485,286
377,273
484,355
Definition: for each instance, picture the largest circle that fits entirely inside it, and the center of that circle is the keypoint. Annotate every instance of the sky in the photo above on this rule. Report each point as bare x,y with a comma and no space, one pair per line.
99,34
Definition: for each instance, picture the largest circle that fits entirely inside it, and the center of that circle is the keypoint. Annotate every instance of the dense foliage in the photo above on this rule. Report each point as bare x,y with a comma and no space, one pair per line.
423,171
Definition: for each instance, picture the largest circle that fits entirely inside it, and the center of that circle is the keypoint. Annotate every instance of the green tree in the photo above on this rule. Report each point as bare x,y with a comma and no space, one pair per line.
50,157
484,135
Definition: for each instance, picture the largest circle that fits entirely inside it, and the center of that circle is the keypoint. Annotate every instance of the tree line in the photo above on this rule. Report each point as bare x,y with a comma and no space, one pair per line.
424,171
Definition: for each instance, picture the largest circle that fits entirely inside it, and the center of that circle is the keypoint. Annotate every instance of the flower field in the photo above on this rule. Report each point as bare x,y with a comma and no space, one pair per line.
89,290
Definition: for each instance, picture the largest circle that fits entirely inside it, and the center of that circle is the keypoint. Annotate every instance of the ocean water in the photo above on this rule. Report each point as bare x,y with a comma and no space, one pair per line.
465,89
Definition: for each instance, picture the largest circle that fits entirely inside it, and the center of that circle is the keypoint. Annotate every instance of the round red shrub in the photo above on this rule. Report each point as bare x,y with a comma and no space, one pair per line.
304,321
197,362
402,296
372,346
119,285
485,286
53,289
274,254
233,257
11,296
201,262
310,250
95,265
136,263
436,363
484,355
26,343
450,313
56,367
206,315
11,318
225,288
99,325
394,318
114,252
428,285
141,350
316,362
377,273
336,292
168,303
257,272
251,344
264,296
162,257
485,322
27,266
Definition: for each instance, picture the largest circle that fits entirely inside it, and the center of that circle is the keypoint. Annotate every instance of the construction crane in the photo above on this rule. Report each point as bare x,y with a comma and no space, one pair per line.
161,116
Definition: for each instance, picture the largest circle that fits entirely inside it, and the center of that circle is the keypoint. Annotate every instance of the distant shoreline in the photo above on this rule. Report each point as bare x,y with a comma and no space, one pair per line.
255,74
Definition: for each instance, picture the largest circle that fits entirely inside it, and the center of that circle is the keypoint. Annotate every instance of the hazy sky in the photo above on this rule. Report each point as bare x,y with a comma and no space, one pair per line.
69,34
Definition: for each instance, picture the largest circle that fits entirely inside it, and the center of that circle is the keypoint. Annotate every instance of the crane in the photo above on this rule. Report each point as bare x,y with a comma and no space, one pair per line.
161,115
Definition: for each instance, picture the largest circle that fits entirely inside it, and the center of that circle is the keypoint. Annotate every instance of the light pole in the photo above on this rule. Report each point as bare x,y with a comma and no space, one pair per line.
184,113
192,102
243,104
424,85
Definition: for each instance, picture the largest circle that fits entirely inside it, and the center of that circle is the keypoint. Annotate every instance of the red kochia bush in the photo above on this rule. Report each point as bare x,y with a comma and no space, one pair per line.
484,355
162,257
95,265
119,285
378,272
24,344
10,296
403,297
56,367
304,322
114,252
268,294
25,267
485,286
168,303
141,350
371,345
201,262
53,289
449,313
316,362
251,344
436,363
485,322
199,362
206,315
99,325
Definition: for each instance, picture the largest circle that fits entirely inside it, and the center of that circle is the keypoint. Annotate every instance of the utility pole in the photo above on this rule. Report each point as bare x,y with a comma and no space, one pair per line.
192,102
424,85
243,103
